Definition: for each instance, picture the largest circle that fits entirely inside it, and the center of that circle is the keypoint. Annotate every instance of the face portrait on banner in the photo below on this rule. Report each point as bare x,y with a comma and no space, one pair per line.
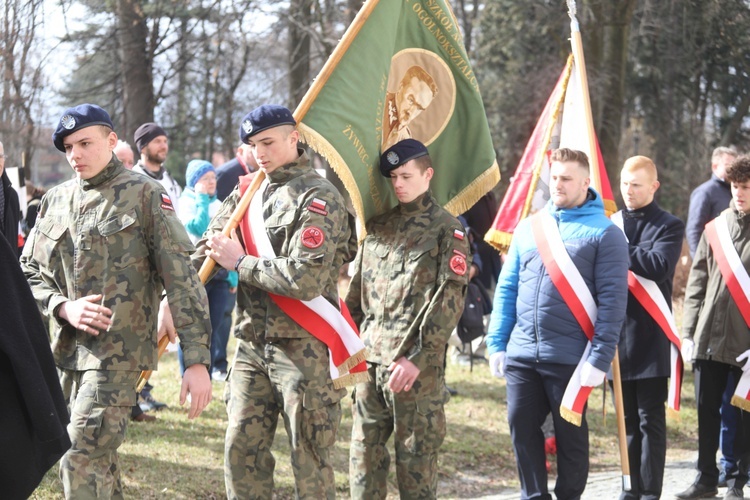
420,97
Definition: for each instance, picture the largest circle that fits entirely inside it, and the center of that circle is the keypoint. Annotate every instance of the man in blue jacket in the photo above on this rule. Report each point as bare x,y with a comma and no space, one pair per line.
534,339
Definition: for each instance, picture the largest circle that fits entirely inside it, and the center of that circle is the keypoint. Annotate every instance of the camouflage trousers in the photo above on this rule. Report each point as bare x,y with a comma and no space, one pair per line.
418,419
99,402
291,377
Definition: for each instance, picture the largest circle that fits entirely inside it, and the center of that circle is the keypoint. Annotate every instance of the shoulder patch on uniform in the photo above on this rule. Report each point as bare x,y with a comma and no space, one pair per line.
458,234
458,252
458,265
166,202
318,206
312,237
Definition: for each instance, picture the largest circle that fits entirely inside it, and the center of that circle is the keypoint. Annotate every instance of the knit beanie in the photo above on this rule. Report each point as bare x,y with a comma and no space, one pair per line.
147,133
197,169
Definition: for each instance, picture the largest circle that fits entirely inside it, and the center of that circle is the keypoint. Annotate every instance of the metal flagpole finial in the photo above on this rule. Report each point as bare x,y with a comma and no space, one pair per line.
572,13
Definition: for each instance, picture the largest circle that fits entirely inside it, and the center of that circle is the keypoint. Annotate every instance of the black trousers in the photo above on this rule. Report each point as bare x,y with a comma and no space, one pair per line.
646,430
710,382
533,391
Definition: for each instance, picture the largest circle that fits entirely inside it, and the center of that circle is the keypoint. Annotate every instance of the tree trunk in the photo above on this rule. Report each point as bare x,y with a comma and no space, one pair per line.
615,19
300,19
137,62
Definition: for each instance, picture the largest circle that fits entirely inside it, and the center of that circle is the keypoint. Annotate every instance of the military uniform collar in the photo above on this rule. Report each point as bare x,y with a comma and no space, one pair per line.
291,170
420,204
113,168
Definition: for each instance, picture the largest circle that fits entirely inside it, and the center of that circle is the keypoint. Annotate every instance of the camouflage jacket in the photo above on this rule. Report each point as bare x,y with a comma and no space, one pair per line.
409,283
296,202
116,234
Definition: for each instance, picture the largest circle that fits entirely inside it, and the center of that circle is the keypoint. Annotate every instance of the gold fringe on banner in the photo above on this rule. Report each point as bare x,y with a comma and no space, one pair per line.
324,148
499,239
474,191
457,205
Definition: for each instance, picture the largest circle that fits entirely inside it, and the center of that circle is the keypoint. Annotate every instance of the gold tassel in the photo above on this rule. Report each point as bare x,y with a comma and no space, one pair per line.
353,361
673,414
351,379
741,403
571,416
474,191
499,239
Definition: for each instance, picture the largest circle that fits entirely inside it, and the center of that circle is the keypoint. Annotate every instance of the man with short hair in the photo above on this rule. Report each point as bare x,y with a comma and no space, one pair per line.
296,236
648,355
566,255
710,198
10,210
124,153
407,294
152,144
716,320
228,174
106,245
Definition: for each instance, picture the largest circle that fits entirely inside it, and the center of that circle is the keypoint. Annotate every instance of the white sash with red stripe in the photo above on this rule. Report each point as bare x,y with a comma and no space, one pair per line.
318,316
647,293
738,283
571,286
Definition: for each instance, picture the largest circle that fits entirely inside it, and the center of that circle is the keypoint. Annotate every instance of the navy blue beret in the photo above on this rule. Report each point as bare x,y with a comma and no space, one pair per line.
400,153
263,118
81,116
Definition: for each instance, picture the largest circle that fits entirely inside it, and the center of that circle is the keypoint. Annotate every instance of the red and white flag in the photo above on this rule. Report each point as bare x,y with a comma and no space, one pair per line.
561,125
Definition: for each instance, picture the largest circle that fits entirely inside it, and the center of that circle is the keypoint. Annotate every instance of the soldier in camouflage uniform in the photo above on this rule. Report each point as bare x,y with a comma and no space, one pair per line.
407,295
280,367
105,246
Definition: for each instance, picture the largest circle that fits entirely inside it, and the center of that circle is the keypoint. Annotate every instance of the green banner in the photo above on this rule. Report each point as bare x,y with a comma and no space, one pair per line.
401,71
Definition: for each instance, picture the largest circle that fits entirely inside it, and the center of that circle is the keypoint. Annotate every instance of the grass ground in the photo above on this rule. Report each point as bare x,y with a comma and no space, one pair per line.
178,458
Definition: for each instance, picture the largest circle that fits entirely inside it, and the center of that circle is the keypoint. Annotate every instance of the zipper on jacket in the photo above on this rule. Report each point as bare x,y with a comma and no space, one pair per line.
536,315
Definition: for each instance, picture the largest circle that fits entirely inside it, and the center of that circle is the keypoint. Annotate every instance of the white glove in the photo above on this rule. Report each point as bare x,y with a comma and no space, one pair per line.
746,356
497,364
687,350
591,376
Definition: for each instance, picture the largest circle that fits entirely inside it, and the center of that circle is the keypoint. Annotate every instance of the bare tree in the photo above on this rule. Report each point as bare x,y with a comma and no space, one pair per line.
22,81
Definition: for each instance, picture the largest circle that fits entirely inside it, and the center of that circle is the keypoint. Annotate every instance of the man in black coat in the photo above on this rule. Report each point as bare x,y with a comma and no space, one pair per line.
229,173
10,211
654,245
33,414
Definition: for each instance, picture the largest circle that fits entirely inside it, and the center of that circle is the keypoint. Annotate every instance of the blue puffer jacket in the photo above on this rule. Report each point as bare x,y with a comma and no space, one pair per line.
531,321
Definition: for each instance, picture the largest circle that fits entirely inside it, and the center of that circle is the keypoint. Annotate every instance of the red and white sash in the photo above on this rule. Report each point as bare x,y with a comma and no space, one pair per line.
647,293
318,316
571,286
738,283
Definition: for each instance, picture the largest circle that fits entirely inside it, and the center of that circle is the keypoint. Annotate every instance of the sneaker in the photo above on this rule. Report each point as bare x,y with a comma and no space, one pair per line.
698,490
733,494
219,375
147,402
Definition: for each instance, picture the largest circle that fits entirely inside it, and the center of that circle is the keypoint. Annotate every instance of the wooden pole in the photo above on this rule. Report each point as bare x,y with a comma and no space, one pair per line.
596,182
620,415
